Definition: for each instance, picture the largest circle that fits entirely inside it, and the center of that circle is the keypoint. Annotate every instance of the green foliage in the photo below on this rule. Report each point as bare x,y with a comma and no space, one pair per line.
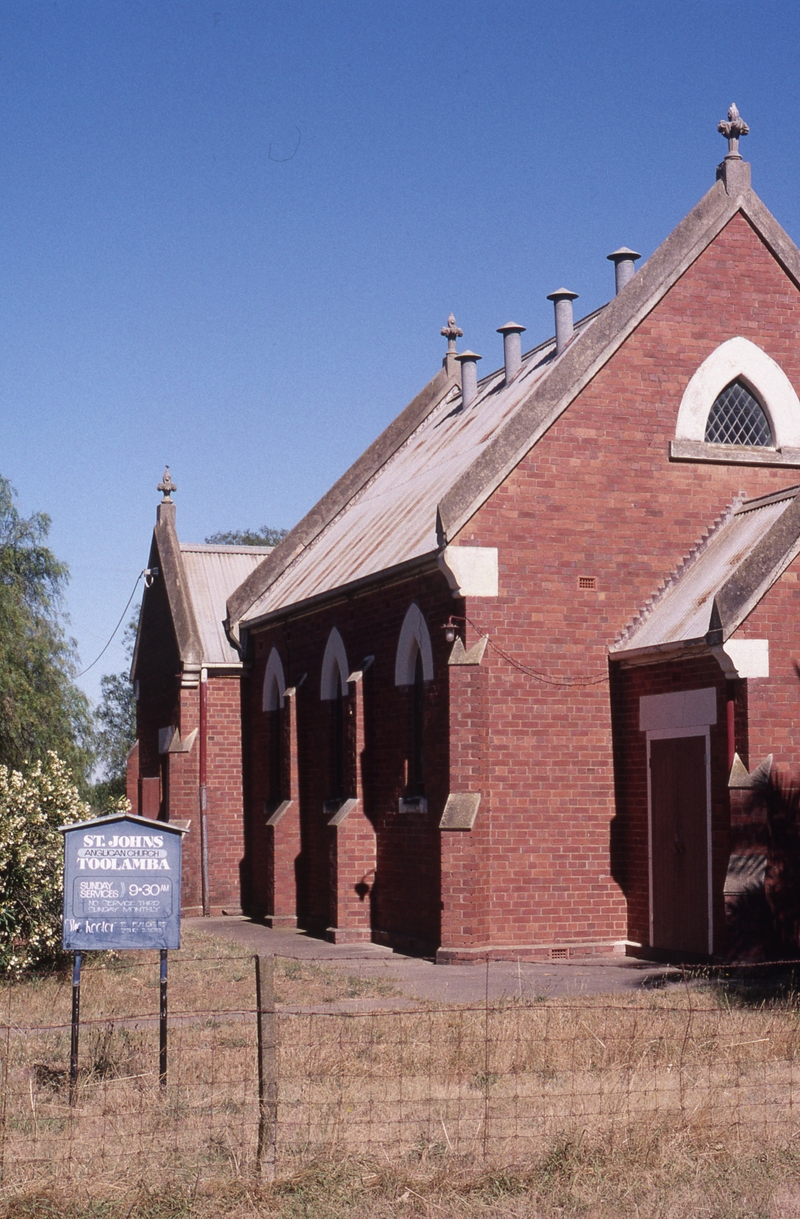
265,536
41,709
32,807
116,726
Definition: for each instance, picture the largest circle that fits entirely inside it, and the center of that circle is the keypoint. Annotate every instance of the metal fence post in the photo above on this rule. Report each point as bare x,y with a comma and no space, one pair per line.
267,1030
76,1018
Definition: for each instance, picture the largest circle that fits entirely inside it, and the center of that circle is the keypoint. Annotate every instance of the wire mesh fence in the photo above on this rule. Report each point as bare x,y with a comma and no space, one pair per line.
264,1083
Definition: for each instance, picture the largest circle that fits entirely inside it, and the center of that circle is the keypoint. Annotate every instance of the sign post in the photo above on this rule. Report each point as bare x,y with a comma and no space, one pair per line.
162,1023
76,1016
122,890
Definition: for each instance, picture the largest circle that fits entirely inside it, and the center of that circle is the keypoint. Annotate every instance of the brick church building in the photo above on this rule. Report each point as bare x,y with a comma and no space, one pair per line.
501,688
186,765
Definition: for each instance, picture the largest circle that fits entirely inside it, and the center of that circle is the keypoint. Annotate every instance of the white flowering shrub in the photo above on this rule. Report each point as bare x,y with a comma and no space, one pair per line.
32,807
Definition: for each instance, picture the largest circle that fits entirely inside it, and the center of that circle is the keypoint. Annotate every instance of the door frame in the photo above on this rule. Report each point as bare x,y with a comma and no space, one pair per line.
663,734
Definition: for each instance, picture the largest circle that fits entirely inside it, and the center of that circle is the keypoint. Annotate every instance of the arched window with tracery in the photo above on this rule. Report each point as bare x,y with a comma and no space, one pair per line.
738,399
737,417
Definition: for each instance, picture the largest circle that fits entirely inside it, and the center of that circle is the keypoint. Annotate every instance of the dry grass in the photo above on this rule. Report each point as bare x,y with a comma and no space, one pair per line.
658,1177
672,1102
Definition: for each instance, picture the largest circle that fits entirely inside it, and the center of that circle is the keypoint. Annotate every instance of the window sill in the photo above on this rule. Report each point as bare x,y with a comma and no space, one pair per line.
337,810
275,811
412,804
732,454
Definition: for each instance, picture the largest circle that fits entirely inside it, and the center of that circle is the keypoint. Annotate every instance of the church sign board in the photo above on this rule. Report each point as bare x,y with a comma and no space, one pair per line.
122,883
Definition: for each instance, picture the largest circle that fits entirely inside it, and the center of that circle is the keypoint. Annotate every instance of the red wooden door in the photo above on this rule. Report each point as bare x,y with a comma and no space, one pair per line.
679,811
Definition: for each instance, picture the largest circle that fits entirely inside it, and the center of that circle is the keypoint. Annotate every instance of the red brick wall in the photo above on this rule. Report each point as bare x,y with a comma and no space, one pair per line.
630,832
773,704
224,792
767,720
555,858
598,496
405,898
467,864
164,703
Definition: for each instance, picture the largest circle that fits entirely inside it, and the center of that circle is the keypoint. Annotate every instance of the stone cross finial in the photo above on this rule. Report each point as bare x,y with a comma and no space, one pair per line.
733,129
167,486
451,332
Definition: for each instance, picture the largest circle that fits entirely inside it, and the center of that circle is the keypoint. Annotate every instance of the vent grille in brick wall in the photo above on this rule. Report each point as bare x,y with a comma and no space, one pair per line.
559,954
737,418
587,582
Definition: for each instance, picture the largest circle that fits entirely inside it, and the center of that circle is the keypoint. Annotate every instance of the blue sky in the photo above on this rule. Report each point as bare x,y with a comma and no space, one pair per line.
230,232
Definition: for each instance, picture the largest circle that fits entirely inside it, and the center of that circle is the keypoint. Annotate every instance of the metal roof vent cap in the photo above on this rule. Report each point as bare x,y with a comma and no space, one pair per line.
469,375
512,348
565,327
624,270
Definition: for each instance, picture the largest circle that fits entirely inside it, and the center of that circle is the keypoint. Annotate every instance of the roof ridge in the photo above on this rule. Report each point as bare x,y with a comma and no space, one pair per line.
337,497
226,548
547,346
678,572
543,400
537,355
445,403
584,357
441,409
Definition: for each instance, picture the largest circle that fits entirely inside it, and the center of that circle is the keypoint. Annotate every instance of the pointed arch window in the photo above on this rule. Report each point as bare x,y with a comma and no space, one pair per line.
272,703
333,690
413,671
416,761
336,771
737,417
739,406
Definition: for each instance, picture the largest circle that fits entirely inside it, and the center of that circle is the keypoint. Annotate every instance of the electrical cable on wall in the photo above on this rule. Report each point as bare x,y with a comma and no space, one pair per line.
570,683
537,675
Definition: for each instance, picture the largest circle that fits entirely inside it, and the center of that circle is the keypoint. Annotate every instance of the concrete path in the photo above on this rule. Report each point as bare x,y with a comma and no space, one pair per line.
416,978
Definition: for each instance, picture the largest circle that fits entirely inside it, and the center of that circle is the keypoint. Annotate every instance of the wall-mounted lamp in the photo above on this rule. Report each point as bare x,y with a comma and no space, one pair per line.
150,574
450,630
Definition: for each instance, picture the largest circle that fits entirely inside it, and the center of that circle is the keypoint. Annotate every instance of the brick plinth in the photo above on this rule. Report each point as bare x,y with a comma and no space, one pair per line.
529,952
352,863
283,844
352,841
465,885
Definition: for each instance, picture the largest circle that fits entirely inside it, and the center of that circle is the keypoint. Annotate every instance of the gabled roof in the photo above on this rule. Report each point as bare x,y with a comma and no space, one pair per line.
197,578
212,574
721,581
431,470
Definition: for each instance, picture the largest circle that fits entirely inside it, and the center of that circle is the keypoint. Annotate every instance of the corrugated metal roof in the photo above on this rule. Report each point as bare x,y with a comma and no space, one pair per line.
213,572
682,611
392,520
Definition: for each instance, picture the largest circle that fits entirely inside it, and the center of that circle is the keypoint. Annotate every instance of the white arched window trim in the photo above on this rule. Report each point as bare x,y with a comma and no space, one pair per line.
739,359
274,683
335,670
414,638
